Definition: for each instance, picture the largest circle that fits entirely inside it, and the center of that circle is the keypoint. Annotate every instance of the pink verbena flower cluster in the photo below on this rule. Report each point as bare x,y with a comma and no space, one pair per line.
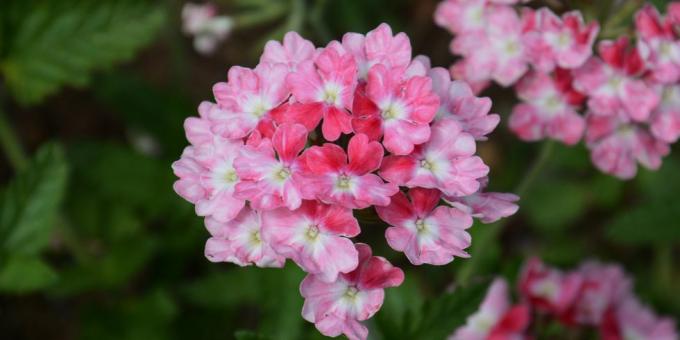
594,295
628,93
291,147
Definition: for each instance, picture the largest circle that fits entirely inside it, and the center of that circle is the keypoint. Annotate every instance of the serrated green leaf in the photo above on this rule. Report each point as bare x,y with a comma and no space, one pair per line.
30,203
20,274
48,44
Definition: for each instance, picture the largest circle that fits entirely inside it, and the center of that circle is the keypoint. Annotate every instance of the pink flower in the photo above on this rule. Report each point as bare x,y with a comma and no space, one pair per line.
207,178
379,46
425,232
632,320
333,180
445,162
546,111
398,109
240,241
458,101
665,120
206,27
460,16
602,287
495,319
315,236
613,82
659,44
616,146
552,41
488,207
497,53
338,307
247,98
269,182
548,289
294,51
323,88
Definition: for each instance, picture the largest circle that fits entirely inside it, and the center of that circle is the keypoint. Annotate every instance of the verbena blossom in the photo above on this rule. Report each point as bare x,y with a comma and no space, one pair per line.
665,119
552,41
613,84
617,145
548,109
207,28
594,295
659,44
291,147
496,318
339,306
425,232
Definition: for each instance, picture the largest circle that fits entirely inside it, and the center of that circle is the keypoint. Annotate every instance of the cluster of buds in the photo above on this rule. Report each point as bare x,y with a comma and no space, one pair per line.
290,148
629,93
594,295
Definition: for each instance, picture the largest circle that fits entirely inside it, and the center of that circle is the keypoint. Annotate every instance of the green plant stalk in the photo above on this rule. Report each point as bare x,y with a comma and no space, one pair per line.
493,230
10,144
260,16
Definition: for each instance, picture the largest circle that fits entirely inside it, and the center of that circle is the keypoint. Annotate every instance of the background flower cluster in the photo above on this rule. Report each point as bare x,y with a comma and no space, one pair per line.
627,91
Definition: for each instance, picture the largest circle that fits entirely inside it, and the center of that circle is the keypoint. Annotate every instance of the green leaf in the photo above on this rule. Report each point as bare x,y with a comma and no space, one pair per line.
655,221
401,310
20,274
554,204
48,44
442,315
29,205
248,335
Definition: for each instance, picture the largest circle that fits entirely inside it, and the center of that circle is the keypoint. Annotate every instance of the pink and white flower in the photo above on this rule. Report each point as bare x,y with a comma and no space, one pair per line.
460,16
498,53
379,46
548,289
665,120
603,286
425,232
547,110
398,110
488,207
617,145
338,307
446,162
551,41
659,45
334,180
315,236
248,97
294,51
240,241
323,88
613,82
207,28
459,102
207,178
632,320
496,319
271,175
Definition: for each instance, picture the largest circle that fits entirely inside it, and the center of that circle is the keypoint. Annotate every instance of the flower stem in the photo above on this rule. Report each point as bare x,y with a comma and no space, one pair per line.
10,144
490,232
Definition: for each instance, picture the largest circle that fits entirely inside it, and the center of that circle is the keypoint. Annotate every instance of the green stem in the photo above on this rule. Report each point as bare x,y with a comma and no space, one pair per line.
10,144
536,167
491,231
259,16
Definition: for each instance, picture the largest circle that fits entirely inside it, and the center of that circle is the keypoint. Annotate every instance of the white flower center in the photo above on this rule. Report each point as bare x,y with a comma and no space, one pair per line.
230,176
344,182
283,174
392,111
425,164
351,292
255,237
420,225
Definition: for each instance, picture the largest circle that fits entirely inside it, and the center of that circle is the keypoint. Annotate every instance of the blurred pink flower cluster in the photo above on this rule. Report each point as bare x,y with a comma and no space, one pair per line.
629,93
291,147
594,295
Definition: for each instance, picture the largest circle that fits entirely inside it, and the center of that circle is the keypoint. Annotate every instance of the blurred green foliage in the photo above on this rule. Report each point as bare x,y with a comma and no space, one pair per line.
94,243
